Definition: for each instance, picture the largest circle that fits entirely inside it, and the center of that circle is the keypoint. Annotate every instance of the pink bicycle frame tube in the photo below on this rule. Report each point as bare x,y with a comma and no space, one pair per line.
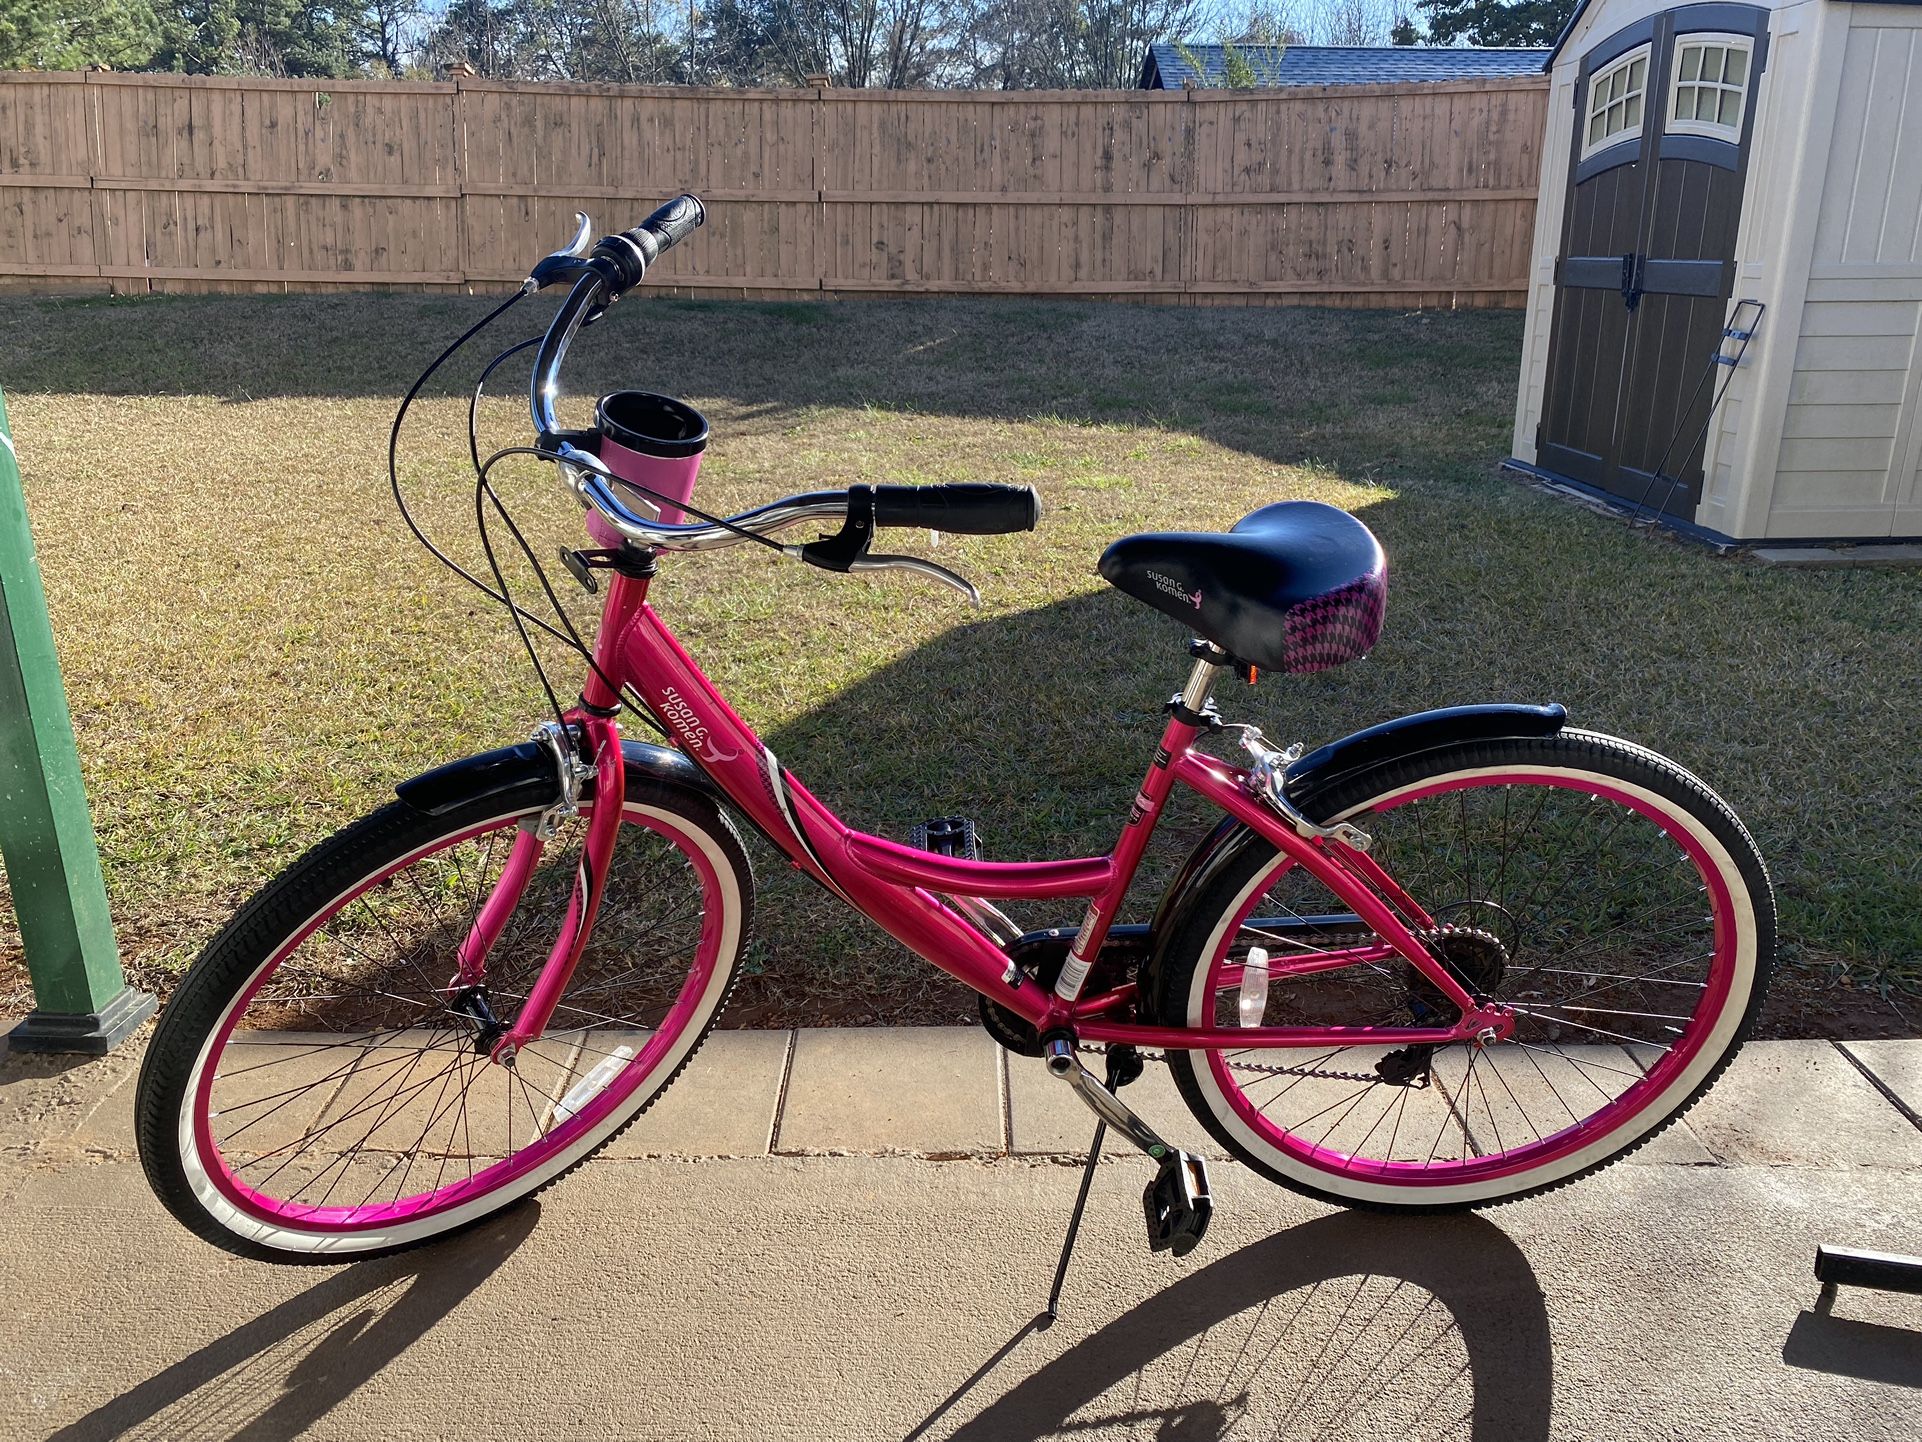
590,881
894,885
704,726
491,920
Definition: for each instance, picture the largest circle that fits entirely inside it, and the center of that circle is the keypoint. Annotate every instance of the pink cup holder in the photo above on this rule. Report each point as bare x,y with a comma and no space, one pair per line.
653,441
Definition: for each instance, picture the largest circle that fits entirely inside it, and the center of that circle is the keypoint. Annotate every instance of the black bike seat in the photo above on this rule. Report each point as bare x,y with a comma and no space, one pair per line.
1296,586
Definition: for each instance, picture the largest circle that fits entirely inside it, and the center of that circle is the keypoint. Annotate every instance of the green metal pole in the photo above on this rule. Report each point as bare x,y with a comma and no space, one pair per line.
82,1001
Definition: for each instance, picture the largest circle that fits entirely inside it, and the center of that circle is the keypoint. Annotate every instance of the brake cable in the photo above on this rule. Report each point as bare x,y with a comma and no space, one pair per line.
570,636
393,450
480,386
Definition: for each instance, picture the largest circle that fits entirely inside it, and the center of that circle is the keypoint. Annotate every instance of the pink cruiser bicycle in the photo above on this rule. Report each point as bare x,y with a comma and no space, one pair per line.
1452,960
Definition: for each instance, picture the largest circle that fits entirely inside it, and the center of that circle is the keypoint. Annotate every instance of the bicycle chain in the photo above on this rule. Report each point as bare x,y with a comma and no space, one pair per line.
1321,1073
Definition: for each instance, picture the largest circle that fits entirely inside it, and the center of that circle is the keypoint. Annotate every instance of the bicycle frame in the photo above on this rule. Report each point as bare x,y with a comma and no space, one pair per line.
899,888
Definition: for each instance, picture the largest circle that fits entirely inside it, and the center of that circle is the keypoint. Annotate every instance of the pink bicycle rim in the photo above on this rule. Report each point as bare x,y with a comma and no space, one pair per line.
508,1169
1558,1144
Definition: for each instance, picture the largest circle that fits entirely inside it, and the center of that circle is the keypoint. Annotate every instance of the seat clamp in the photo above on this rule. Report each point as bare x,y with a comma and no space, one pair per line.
1207,719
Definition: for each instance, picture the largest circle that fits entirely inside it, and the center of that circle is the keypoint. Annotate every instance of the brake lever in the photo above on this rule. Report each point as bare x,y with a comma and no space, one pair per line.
565,263
921,568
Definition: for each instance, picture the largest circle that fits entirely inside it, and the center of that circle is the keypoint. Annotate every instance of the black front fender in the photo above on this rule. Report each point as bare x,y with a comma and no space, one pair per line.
529,768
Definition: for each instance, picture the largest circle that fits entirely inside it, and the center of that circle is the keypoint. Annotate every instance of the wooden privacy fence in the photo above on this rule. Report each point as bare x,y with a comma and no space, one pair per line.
1403,195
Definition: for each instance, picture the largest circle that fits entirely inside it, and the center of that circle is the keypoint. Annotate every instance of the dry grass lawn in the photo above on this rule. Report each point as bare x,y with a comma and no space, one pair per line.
256,651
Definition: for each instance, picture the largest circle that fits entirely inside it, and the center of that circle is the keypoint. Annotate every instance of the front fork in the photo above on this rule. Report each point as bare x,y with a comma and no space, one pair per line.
587,735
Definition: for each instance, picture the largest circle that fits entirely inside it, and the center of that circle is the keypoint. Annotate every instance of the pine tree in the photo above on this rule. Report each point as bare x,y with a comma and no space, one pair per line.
1236,70
200,37
271,37
1495,22
73,34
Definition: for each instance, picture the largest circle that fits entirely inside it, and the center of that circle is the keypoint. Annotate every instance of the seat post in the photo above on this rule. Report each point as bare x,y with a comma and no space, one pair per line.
1201,680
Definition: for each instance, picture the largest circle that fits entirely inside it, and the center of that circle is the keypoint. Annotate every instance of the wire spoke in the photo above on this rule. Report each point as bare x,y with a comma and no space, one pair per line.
1611,1011
1575,1061
1605,976
1584,1026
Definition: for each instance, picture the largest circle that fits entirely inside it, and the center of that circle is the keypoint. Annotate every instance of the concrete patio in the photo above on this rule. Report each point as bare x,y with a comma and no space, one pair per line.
843,1233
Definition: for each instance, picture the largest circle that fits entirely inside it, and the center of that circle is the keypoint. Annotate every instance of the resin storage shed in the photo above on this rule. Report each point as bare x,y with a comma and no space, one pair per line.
1731,207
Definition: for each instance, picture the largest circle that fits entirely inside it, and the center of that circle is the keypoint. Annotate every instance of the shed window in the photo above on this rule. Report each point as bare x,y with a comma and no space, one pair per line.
1615,99
1711,86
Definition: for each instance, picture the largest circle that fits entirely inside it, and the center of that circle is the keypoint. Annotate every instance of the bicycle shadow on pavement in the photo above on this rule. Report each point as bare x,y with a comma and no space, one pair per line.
275,1376
1352,1323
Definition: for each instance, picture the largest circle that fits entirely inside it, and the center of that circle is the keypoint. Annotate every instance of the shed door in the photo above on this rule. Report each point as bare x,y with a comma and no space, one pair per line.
1664,111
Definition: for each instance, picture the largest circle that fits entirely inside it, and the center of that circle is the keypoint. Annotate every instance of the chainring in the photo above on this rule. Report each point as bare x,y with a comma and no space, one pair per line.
1040,955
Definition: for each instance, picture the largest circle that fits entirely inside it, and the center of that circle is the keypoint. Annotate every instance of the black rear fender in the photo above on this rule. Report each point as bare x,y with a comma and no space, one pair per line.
1316,775
525,773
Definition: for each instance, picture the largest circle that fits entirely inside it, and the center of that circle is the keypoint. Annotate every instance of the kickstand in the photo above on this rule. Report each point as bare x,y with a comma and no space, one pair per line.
1074,1221
1124,1065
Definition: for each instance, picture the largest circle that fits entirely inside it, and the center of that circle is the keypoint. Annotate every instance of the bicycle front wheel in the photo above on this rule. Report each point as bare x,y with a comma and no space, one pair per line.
314,1090
1607,897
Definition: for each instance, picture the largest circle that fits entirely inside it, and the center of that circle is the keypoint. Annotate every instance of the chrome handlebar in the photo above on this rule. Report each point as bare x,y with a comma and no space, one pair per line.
574,313
593,485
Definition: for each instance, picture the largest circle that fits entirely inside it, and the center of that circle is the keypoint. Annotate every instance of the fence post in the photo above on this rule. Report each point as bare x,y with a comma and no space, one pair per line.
1191,231
819,85
458,109
82,1002
96,207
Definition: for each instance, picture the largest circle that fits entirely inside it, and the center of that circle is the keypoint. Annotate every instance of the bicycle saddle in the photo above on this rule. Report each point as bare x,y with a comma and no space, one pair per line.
1296,586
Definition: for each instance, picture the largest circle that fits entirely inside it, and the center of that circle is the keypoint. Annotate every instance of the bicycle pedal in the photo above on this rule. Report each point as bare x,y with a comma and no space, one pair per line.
947,836
1178,1204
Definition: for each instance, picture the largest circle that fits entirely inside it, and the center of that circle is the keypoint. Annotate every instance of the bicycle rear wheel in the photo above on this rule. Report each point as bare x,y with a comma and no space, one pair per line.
311,1090
1604,894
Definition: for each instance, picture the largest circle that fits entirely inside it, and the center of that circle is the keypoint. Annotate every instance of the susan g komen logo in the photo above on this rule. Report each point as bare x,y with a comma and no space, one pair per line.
688,726
1175,588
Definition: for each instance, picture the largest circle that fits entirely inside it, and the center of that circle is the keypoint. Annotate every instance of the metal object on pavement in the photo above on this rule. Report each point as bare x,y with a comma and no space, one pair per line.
82,1002
1880,1271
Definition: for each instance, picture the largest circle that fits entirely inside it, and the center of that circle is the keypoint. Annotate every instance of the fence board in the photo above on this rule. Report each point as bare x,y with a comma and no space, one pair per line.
1421,194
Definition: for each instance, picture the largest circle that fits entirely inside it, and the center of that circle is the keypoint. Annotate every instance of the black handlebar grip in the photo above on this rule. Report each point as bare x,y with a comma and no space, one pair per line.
622,260
670,225
967,508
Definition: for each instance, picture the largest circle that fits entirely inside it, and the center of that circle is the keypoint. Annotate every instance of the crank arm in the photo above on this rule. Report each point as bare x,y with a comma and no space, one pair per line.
1063,1062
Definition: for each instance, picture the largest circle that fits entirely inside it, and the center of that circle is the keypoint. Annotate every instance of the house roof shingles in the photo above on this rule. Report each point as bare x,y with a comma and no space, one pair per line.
1170,66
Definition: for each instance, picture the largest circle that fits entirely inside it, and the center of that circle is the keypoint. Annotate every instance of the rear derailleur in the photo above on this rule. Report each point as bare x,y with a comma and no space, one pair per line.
1474,957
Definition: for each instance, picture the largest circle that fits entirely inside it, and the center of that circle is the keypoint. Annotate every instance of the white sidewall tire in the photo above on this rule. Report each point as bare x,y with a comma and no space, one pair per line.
1650,1116
260,1233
